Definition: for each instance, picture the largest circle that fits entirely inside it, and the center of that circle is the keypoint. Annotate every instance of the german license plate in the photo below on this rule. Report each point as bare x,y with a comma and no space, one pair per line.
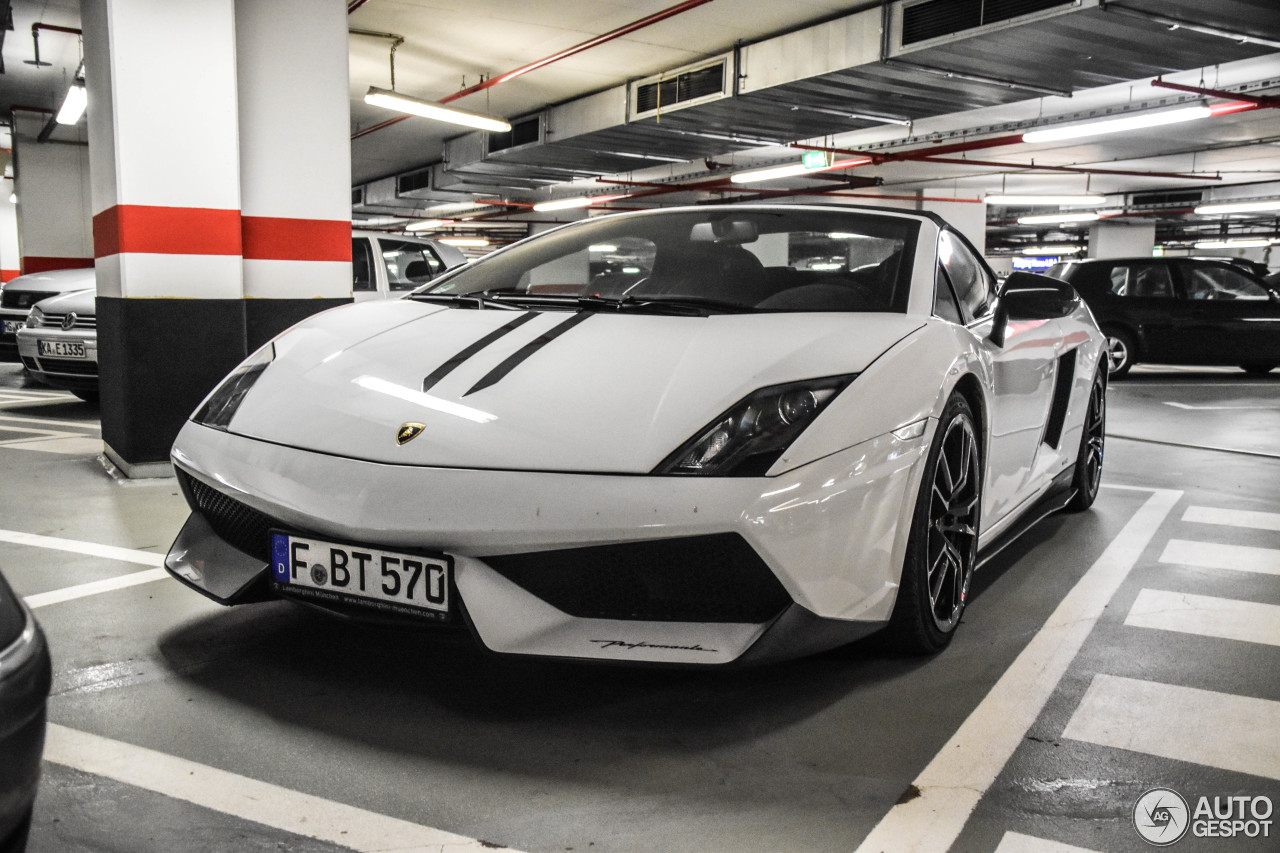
391,581
61,349
11,327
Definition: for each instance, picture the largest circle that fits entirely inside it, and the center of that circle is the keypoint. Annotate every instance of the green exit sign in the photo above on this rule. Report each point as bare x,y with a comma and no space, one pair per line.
815,159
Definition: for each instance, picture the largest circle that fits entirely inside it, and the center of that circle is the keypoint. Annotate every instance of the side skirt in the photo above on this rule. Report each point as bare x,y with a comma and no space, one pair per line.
1058,495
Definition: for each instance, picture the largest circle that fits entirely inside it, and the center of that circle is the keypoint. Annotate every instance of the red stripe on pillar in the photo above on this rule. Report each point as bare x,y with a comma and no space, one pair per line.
9,275
272,238
36,263
146,229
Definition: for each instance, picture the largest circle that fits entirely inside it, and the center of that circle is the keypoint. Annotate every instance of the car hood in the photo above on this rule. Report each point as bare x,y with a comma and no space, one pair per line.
54,281
593,392
82,302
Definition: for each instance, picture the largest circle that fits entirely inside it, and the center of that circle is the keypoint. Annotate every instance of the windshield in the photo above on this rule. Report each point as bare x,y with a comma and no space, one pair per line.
733,260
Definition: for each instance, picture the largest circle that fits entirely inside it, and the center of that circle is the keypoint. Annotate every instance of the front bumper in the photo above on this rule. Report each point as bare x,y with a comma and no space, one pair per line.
832,534
70,373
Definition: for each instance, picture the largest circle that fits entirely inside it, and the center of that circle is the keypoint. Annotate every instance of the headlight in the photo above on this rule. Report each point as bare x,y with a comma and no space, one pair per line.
220,406
35,318
746,440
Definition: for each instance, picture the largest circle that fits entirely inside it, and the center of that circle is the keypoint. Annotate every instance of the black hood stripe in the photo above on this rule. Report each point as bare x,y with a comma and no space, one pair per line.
512,361
445,369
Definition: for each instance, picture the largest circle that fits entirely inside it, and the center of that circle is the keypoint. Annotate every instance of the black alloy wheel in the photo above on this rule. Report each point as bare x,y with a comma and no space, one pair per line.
1088,473
1120,352
943,547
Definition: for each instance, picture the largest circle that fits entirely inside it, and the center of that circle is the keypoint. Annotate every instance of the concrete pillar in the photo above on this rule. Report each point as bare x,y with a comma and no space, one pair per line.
51,180
216,221
10,261
295,160
969,218
1122,239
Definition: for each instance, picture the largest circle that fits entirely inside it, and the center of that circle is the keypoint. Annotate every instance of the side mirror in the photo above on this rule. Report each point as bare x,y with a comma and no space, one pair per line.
1027,296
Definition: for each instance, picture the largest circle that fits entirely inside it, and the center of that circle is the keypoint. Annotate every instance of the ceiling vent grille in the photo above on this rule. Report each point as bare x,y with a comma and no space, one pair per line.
681,88
413,181
524,132
1174,198
933,19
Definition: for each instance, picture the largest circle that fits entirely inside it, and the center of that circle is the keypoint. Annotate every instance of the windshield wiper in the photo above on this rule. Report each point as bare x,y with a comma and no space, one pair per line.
472,300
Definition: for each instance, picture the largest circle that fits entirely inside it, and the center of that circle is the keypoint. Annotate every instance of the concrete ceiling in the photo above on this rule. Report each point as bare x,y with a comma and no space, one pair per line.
1098,55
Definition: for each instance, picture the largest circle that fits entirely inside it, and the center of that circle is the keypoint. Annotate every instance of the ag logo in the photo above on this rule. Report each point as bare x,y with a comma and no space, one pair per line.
1161,816
408,432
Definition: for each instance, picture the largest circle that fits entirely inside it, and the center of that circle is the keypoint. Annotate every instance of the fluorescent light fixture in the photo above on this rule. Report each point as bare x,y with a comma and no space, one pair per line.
577,201
1032,200
73,105
602,247
631,270
433,110
470,242
1238,207
1052,250
1233,244
1057,218
770,174
427,224
1117,125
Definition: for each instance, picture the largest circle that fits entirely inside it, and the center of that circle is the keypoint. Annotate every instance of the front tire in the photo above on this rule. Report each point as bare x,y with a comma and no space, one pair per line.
1121,352
943,546
1088,472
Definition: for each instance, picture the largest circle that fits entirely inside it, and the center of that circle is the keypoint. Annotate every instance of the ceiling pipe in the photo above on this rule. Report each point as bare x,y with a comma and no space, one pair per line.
929,156
626,29
35,40
1250,102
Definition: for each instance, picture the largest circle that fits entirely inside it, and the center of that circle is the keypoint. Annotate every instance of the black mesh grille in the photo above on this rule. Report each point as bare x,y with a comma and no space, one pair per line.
681,88
937,18
69,366
717,578
243,527
521,133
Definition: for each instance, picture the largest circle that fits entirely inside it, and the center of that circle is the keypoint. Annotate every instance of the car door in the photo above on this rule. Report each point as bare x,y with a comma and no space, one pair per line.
1142,298
1023,371
406,265
364,273
1229,317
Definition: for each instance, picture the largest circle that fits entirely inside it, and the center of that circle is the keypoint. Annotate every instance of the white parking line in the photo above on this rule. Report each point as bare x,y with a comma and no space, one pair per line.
93,549
249,799
1217,555
70,593
1233,517
958,776
1016,842
1206,616
1236,733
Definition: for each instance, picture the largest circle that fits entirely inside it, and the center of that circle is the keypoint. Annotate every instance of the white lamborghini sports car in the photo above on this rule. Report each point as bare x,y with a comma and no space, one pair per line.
703,435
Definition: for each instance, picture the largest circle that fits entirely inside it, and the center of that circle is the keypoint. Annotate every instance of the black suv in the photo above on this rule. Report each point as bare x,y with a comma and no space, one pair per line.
1179,311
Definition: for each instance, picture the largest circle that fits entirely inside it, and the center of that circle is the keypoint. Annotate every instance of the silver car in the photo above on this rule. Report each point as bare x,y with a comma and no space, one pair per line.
19,295
59,343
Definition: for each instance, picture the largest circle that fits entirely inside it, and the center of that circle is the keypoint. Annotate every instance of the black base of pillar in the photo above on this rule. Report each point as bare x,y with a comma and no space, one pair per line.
158,358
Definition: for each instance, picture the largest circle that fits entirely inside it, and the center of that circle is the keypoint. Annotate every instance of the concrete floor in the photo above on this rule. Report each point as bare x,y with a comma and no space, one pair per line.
170,713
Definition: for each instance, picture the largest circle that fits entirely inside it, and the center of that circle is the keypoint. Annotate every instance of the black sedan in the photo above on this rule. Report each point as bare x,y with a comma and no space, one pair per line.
1179,311
24,689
